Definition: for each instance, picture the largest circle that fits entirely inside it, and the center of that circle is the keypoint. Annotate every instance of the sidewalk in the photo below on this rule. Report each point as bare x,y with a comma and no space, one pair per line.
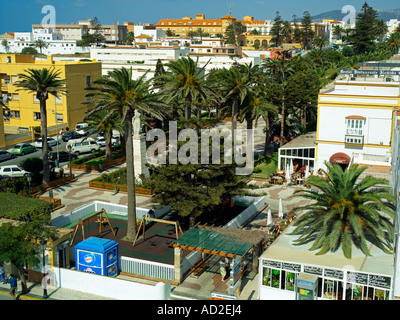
36,293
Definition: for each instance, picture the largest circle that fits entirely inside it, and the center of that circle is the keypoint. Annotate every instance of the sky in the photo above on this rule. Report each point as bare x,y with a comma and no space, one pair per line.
19,15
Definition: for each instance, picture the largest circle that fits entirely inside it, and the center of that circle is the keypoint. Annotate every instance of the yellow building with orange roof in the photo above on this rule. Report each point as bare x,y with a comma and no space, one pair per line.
183,26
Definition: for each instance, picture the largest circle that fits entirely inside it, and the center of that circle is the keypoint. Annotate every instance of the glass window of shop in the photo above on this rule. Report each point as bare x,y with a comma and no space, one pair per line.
333,284
280,275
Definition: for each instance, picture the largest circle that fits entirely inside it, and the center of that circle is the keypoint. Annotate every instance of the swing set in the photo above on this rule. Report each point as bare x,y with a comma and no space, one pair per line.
100,220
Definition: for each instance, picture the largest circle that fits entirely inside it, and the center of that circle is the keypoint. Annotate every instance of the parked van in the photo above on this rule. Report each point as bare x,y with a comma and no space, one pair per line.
79,128
79,146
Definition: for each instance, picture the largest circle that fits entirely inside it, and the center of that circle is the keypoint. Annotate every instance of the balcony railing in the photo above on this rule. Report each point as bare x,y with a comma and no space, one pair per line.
353,139
354,131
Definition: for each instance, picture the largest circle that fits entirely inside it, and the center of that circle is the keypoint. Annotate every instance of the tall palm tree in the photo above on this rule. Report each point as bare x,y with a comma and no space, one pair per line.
234,84
43,82
287,30
104,121
185,79
119,92
347,211
277,72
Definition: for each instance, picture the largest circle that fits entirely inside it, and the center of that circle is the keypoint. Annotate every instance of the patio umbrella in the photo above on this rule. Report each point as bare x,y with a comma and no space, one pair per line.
291,166
280,212
269,216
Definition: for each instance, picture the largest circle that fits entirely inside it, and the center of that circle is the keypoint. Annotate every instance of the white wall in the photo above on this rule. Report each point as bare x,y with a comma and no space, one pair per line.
332,124
108,286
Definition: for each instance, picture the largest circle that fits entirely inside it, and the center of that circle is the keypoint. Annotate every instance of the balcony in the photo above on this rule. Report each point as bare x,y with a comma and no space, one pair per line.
354,139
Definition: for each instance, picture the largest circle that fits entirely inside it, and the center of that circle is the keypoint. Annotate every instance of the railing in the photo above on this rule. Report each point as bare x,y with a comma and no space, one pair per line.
148,269
120,187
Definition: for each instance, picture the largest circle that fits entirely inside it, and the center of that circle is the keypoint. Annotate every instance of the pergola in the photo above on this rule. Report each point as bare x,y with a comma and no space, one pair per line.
211,241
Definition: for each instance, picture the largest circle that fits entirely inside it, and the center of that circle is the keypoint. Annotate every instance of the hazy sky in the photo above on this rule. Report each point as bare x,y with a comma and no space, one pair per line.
19,15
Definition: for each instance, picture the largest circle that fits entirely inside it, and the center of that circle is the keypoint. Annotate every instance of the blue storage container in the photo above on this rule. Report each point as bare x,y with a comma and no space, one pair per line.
98,256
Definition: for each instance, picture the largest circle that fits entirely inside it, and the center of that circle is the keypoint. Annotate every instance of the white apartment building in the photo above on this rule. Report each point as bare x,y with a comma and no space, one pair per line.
141,60
355,119
392,25
151,31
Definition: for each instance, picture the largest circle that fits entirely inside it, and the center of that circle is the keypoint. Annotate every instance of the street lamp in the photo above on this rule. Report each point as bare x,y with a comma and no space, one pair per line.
29,178
43,245
69,147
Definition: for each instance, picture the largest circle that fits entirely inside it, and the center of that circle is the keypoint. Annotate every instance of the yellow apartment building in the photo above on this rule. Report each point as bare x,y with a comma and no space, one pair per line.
212,26
24,108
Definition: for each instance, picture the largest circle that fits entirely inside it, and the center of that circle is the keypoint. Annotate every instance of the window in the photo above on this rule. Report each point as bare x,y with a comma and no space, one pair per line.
354,126
88,80
14,79
59,117
17,114
36,116
58,100
15,97
35,99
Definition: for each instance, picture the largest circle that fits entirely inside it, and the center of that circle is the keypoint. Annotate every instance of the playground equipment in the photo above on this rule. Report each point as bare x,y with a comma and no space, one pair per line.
143,223
99,220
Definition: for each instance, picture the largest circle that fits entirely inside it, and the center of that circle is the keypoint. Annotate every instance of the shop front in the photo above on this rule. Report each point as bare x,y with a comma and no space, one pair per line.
279,281
336,277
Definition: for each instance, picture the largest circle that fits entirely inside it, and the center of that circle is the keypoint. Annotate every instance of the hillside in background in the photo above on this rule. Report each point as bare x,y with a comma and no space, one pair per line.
385,15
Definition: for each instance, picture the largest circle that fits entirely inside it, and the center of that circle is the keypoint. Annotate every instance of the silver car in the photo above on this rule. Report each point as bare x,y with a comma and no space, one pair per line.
5,155
13,171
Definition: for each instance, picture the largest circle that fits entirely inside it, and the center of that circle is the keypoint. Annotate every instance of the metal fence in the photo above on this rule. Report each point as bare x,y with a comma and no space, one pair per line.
148,269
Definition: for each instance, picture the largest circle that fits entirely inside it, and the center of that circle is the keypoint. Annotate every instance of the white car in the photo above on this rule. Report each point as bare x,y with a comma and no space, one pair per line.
101,141
12,171
81,128
50,142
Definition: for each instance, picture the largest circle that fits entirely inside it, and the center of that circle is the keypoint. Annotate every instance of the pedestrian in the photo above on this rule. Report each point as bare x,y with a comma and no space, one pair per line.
2,274
222,269
61,131
12,280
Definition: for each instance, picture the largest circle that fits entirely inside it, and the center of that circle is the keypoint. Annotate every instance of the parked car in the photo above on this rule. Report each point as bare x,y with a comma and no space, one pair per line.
83,146
13,171
21,149
5,155
64,156
50,142
101,141
70,135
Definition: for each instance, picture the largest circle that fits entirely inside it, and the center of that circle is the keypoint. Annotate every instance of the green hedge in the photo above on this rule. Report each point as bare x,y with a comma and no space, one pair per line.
112,177
13,206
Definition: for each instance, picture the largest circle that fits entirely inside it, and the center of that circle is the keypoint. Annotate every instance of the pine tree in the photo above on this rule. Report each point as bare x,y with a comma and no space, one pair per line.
307,34
364,33
277,30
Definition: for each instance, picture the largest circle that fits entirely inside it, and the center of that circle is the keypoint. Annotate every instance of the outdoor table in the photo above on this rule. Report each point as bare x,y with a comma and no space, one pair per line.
300,181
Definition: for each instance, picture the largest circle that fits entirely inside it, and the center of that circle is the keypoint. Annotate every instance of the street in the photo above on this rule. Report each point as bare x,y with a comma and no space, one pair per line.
61,147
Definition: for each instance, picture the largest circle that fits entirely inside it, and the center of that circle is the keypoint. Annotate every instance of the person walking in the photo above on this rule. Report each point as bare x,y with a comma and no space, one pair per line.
2,274
12,280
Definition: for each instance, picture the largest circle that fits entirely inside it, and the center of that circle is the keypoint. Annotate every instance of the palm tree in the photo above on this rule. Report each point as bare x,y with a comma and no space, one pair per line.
287,30
119,92
104,121
337,31
393,42
41,45
277,72
234,84
186,80
319,42
130,37
381,29
5,43
347,211
43,82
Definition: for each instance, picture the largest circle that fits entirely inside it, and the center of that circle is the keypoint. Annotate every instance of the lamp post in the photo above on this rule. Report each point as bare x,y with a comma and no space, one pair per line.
43,245
29,178
69,156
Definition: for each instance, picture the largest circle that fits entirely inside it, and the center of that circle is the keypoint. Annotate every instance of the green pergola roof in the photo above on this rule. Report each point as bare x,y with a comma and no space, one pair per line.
212,241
